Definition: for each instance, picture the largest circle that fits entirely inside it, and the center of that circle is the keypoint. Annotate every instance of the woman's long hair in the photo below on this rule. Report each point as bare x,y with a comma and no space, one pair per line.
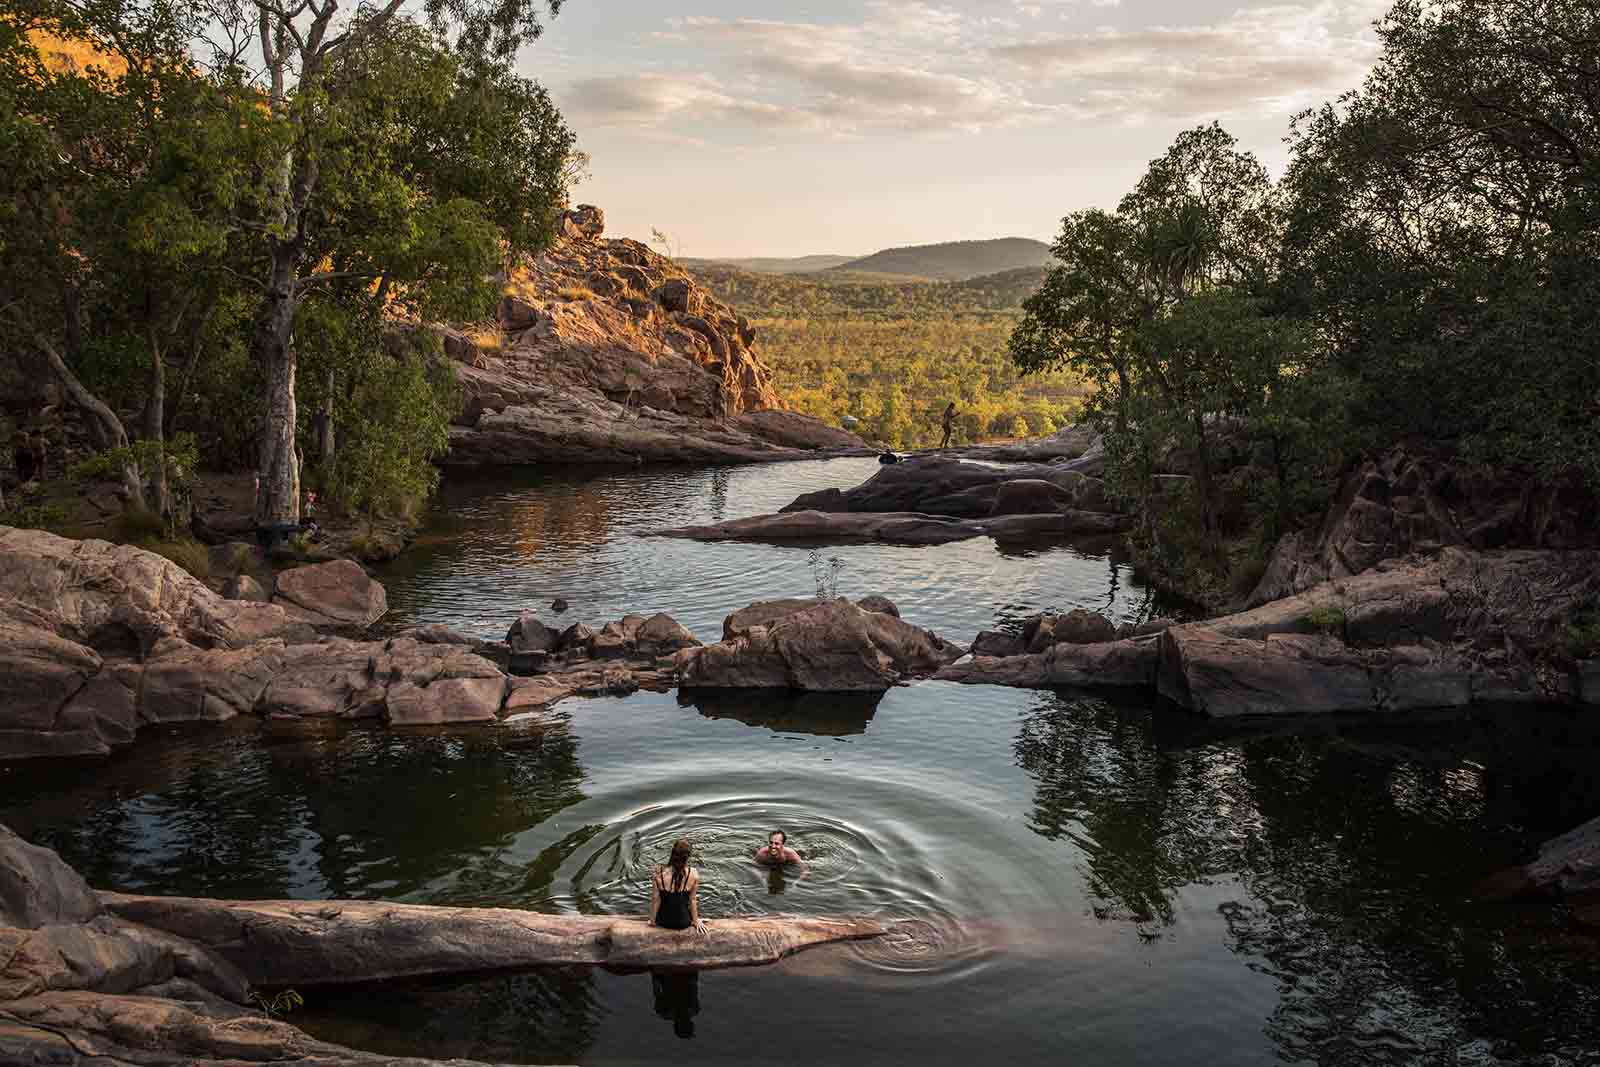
679,864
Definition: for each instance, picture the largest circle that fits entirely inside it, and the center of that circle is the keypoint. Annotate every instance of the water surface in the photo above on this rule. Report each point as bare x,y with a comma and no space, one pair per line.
1077,879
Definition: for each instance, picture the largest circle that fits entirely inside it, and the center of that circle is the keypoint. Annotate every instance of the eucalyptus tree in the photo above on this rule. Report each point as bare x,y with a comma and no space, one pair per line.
315,62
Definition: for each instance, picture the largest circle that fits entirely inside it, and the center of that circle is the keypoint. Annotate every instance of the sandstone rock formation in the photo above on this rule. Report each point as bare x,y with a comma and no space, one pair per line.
605,352
1463,628
827,646
115,981
1409,501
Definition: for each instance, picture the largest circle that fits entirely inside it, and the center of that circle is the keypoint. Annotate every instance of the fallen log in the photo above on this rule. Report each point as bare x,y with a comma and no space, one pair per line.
309,943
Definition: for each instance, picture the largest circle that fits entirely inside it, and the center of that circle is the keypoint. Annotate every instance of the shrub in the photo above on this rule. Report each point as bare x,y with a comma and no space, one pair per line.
138,526
188,554
576,292
34,517
1327,618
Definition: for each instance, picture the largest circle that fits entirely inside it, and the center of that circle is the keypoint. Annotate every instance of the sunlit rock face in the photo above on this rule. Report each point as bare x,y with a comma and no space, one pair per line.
604,351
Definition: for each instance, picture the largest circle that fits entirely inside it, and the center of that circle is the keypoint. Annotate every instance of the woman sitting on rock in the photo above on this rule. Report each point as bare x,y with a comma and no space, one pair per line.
675,892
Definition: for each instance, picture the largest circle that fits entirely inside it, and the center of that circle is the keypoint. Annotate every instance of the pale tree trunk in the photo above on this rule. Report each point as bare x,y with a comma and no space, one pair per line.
325,441
160,496
277,459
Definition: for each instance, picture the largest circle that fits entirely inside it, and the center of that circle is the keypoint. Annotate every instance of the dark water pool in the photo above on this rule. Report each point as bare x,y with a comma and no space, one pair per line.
1084,881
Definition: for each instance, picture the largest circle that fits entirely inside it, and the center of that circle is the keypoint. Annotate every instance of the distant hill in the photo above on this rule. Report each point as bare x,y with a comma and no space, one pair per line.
771,264
953,261
856,293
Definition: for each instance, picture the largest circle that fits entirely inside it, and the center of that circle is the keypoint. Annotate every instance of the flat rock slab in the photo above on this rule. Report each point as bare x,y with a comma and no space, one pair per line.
307,943
899,527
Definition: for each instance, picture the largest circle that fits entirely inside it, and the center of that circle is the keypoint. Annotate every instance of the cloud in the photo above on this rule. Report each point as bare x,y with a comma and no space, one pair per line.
1273,58
940,66
650,99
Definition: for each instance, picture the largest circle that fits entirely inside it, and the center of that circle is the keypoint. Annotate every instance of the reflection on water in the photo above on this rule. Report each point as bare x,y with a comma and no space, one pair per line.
677,996
1108,888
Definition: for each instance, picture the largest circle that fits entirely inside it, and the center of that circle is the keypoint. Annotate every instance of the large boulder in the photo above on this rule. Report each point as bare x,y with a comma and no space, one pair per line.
529,634
1077,627
1222,676
832,646
336,593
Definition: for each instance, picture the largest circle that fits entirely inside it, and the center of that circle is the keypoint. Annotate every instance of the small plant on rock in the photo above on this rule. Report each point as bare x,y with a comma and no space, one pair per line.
280,1003
1327,619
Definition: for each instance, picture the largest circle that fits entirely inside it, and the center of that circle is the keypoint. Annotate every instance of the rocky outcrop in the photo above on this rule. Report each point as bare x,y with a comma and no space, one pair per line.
97,640
934,485
1466,627
1421,501
1566,869
115,980
900,528
605,352
1463,628
826,646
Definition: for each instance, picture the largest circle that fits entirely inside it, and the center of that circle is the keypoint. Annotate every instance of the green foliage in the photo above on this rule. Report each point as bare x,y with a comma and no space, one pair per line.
893,354
136,526
394,407
1442,230
1327,619
180,454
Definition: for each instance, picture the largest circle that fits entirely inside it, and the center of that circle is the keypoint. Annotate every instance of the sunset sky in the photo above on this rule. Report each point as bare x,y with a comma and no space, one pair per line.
844,126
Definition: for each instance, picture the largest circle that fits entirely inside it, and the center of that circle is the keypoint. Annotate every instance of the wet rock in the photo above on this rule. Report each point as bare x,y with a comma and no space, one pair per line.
558,605
528,634
880,604
1567,868
662,634
575,638
1076,627
832,646
336,593
993,643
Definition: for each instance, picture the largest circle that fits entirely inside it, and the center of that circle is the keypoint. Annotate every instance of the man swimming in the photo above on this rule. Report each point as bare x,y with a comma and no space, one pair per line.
776,852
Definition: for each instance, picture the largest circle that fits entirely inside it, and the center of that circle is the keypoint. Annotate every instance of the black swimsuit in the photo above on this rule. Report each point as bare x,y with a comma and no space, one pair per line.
673,911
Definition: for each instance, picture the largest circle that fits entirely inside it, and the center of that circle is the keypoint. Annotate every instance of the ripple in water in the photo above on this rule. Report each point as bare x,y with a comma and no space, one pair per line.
883,872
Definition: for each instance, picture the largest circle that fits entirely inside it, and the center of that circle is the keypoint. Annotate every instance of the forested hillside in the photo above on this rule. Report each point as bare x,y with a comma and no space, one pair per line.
954,260
893,353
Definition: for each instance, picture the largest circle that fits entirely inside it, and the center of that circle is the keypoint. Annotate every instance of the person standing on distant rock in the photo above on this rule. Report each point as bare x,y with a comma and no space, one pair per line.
949,424
675,892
